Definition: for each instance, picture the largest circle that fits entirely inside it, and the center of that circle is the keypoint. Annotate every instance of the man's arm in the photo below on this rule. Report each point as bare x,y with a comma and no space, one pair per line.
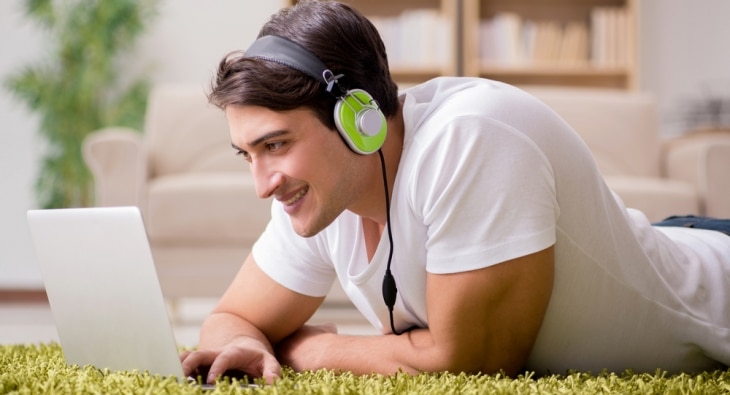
484,320
254,313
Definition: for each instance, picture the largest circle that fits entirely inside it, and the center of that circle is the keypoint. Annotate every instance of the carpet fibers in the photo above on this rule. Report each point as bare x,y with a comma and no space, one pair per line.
41,369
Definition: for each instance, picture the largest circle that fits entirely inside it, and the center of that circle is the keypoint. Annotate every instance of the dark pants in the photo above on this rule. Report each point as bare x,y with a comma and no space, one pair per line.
692,221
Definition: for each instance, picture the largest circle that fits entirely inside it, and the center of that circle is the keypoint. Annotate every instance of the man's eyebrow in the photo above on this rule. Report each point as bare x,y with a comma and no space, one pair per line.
261,139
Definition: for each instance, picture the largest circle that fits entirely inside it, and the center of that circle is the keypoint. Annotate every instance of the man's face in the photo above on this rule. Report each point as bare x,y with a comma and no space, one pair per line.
299,161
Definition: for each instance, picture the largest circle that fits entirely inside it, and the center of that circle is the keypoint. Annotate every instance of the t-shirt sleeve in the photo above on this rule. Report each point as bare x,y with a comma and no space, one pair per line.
486,193
297,263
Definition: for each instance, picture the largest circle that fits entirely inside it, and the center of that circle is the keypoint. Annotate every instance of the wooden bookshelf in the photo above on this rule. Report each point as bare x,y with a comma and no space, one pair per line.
559,42
590,43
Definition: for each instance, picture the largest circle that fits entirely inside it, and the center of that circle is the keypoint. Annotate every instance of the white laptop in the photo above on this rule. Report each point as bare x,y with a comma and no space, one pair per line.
103,289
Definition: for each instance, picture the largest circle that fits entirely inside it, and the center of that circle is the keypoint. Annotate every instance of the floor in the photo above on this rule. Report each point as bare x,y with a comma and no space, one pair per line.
27,318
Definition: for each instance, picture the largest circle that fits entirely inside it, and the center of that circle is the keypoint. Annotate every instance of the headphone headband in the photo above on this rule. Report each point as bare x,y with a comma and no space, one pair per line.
284,51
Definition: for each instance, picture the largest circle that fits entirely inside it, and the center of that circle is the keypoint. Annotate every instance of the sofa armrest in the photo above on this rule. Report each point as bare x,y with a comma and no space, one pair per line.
115,157
704,161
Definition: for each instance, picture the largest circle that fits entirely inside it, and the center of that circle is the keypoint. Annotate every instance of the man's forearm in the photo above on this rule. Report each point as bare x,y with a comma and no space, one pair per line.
221,329
411,352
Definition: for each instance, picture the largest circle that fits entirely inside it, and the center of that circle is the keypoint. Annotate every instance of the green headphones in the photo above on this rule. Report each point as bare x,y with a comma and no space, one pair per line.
357,115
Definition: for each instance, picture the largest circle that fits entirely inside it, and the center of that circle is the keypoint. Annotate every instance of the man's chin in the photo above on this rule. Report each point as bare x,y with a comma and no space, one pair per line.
303,230
307,230
306,234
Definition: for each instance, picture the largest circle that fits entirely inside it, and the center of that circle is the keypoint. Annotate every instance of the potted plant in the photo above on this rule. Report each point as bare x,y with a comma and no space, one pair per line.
76,89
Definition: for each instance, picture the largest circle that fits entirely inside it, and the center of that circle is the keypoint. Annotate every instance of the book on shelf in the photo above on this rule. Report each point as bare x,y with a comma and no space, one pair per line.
574,45
416,39
610,36
507,39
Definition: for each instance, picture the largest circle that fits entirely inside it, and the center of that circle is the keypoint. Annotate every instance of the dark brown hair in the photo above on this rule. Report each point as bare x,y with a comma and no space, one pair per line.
341,37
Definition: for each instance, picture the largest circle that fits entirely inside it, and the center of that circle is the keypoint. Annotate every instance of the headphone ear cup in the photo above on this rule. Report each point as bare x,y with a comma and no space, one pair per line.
360,121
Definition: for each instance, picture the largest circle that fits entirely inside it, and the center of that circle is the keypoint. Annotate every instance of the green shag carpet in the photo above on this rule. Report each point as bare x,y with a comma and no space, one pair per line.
41,369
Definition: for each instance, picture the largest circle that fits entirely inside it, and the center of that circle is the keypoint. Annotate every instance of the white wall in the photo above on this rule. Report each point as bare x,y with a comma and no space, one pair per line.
20,43
682,50
683,53
184,45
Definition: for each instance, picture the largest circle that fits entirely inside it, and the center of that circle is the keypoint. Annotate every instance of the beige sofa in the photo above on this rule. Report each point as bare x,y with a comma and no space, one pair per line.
202,213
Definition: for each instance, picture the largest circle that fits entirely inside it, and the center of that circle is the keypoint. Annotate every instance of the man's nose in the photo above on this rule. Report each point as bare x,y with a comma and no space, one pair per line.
266,180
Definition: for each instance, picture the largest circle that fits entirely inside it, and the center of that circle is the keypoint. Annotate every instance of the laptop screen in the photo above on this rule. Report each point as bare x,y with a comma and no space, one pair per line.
103,289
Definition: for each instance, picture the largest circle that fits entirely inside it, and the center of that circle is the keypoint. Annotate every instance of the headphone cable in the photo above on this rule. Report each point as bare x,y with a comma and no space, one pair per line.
390,291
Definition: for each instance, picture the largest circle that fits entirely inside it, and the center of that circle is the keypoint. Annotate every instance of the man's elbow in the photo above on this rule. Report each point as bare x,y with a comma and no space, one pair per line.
475,360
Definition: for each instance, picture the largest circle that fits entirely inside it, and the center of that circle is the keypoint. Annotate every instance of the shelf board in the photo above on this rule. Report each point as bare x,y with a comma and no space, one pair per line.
557,70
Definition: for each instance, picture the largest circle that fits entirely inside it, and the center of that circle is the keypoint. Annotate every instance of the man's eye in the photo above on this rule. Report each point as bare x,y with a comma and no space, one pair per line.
244,154
274,146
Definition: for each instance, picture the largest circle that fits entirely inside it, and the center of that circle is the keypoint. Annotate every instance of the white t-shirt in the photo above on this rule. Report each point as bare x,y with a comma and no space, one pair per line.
489,174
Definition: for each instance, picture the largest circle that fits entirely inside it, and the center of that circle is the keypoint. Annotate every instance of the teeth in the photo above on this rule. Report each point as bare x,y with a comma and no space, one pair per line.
296,197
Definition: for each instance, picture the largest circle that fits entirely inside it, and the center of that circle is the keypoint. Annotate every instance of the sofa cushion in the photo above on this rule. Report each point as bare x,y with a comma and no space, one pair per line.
183,133
205,209
657,198
621,128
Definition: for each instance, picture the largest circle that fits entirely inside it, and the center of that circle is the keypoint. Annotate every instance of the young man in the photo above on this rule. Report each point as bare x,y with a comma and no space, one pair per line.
508,250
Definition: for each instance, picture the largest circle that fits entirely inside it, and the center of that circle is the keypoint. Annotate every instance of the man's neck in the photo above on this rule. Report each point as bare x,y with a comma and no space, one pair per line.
373,207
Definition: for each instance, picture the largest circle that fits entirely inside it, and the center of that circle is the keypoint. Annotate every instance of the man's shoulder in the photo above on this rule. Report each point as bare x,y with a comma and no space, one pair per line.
446,86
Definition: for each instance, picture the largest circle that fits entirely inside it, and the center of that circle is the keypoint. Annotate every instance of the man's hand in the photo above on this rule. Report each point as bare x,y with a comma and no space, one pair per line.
245,355
254,313
298,350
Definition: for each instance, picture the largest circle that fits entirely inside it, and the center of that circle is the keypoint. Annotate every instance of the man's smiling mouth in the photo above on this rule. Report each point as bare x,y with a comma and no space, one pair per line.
296,197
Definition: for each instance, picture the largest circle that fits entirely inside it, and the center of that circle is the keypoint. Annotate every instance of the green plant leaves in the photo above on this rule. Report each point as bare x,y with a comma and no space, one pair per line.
76,90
